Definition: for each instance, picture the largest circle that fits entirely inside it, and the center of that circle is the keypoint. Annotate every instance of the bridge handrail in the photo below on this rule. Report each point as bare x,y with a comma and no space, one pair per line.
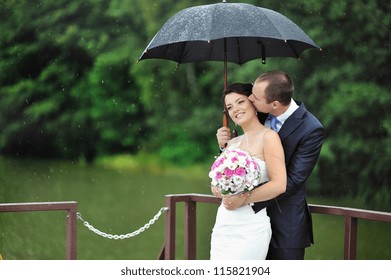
69,206
168,250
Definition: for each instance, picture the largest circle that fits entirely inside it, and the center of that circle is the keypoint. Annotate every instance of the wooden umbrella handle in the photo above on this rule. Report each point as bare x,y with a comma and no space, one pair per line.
225,124
225,118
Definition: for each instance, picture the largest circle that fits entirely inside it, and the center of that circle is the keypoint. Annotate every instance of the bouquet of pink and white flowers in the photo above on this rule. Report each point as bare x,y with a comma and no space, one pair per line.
234,172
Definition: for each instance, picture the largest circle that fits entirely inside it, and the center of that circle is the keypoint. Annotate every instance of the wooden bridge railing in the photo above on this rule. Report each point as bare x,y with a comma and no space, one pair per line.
190,200
70,207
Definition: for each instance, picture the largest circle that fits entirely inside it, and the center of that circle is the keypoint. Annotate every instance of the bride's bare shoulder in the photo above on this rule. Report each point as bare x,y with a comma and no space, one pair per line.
261,134
235,140
271,137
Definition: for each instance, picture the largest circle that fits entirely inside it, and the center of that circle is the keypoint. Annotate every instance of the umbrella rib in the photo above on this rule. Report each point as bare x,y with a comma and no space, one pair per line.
293,50
182,52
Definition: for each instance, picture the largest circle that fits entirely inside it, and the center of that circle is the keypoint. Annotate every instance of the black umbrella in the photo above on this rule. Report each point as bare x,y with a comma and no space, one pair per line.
229,32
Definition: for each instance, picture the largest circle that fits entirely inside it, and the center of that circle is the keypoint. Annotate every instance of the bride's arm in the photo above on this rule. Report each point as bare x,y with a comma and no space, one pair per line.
275,163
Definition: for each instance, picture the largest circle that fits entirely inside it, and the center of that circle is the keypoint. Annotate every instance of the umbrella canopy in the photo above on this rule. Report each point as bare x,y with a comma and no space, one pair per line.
229,32
233,32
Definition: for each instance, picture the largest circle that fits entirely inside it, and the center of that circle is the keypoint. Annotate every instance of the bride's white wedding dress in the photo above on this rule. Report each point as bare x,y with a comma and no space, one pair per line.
241,234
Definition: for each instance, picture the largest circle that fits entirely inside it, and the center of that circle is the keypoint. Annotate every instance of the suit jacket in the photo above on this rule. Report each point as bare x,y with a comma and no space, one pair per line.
302,137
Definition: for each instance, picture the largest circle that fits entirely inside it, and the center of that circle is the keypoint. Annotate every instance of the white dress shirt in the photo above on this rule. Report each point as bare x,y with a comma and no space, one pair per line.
283,117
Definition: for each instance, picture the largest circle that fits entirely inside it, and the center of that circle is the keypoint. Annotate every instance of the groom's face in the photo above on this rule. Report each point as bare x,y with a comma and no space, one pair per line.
258,97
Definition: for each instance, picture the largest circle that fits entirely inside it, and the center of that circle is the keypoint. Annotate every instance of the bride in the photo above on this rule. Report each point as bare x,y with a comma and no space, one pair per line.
239,233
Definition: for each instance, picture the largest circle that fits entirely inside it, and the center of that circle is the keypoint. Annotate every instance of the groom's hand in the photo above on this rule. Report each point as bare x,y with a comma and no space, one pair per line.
223,135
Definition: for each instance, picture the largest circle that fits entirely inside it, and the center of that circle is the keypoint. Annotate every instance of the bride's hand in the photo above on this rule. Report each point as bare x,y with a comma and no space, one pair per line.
216,192
223,135
232,202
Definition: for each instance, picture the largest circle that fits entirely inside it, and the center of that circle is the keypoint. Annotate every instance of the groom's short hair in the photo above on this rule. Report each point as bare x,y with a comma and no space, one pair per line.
280,86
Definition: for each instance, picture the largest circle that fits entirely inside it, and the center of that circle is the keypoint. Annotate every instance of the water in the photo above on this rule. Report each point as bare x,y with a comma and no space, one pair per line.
113,201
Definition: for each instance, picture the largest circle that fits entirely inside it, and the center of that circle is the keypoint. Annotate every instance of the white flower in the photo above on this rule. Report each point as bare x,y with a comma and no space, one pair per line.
238,180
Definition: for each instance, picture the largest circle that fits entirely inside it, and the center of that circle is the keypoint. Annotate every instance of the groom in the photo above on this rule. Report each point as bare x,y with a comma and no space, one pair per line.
302,137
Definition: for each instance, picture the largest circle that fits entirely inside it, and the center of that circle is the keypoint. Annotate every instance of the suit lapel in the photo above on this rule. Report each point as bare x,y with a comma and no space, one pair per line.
293,122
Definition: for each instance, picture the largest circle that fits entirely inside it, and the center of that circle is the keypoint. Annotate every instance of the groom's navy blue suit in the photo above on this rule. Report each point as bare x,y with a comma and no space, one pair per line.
302,137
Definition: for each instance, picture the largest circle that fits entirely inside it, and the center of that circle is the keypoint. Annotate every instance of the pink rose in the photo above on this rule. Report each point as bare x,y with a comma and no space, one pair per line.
228,172
240,171
217,163
241,154
233,159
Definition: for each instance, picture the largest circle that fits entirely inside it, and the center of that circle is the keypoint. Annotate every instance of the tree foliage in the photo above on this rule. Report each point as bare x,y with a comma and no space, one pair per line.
71,87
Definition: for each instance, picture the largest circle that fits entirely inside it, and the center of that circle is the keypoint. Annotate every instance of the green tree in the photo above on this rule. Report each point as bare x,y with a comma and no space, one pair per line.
58,54
71,87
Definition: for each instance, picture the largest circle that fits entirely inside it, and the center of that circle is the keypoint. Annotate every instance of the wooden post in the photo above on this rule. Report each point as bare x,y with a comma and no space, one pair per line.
190,230
350,238
71,234
169,231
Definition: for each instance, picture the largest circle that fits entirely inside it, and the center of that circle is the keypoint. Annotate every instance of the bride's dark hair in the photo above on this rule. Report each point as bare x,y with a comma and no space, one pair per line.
241,88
